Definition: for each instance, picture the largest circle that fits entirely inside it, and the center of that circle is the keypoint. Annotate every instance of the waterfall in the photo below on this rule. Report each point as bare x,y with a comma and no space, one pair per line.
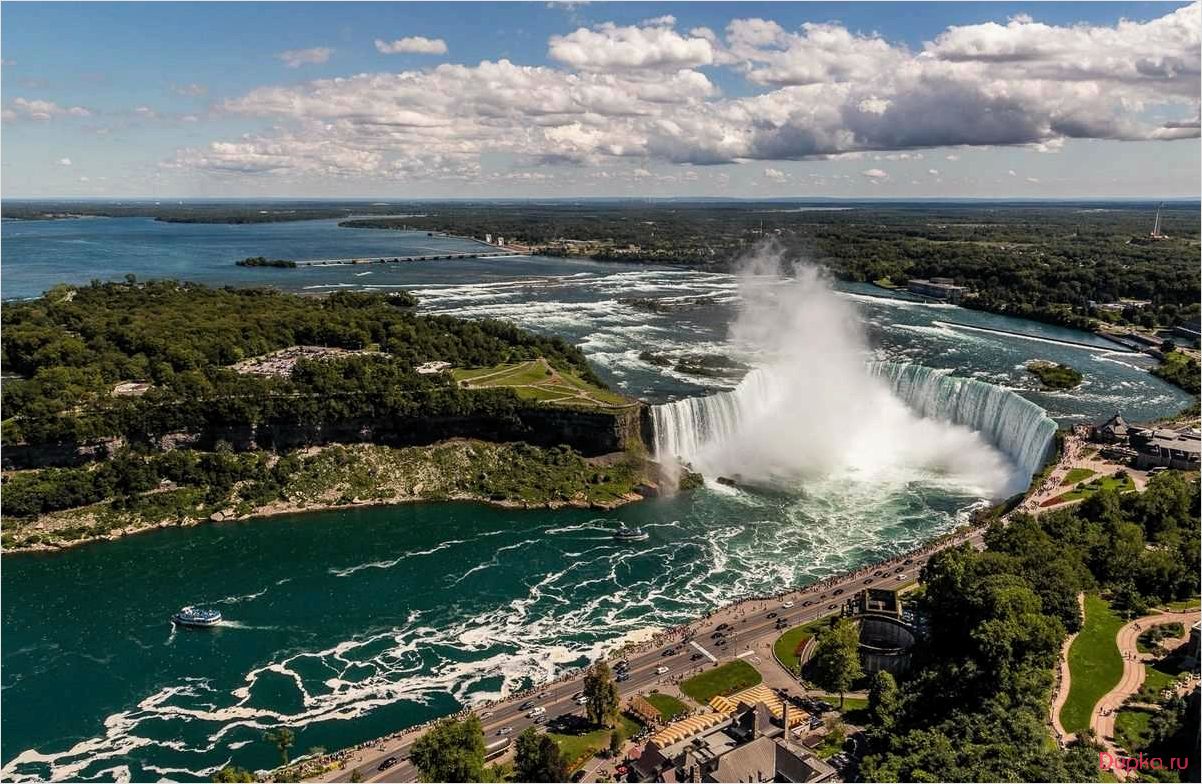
1014,425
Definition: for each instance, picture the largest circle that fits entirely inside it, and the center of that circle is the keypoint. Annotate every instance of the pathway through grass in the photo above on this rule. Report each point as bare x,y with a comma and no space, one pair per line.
1095,665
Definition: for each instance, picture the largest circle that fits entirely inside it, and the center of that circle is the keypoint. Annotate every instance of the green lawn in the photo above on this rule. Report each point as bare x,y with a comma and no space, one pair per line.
668,706
855,709
1159,676
1184,604
1095,664
1124,485
727,679
1131,728
534,380
789,644
1076,475
576,749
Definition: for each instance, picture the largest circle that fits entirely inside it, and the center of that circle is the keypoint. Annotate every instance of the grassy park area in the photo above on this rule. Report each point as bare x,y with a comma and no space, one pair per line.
1076,475
577,747
1095,665
789,645
538,380
668,706
727,679
1131,728
1123,484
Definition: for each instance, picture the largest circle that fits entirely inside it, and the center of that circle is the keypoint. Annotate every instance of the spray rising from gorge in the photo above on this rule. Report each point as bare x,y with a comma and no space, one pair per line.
815,408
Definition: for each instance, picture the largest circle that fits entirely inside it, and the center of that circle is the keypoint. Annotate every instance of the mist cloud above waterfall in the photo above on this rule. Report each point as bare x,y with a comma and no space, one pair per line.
812,409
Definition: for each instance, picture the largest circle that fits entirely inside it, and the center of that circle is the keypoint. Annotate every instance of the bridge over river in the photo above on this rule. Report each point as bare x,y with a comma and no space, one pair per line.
483,254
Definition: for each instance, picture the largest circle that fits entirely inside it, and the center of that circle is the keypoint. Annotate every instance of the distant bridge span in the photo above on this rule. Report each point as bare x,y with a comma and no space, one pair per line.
401,259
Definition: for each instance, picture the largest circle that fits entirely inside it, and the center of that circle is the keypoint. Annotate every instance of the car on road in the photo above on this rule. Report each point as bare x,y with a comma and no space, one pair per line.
660,670
908,561
527,705
868,581
807,602
837,592
696,656
722,626
505,730
901,577
773,615
388,763
486,714
622,676
832,606
899,570
581,700
878,573
669,652
539,711
787,605
580,774
716,635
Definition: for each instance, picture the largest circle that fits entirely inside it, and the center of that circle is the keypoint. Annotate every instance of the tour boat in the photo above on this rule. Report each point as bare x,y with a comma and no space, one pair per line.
196,616
625,534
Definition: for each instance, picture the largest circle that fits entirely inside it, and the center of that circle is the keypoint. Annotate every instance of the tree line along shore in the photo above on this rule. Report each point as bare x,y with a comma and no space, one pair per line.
138,405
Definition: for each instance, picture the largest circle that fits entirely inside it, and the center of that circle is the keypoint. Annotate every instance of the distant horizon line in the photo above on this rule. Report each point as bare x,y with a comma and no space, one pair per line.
467,199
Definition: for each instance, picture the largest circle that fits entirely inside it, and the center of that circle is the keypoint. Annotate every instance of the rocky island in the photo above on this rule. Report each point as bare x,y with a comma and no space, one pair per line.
1055,376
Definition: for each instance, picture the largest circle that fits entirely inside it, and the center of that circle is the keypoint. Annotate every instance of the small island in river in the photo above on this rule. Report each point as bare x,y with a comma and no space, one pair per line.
1054,375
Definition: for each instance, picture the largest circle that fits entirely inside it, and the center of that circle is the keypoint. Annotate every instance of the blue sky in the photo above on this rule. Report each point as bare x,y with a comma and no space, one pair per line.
196,99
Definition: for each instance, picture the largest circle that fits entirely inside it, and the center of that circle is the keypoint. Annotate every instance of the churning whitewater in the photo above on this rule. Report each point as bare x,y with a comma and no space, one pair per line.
815,408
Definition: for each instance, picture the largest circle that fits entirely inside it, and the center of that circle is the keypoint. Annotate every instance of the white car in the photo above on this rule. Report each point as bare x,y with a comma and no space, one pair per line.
505,730
787,605
485,714
660,670
539,711
581,700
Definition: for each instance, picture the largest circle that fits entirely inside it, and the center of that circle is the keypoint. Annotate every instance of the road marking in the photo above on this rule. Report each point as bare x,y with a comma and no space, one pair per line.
744,654
704,652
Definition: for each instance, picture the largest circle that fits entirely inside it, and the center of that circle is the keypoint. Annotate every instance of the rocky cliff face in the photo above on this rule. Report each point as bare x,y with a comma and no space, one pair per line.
589,432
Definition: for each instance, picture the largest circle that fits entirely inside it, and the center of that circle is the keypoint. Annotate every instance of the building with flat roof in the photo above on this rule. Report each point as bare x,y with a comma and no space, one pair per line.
937,288
1180,449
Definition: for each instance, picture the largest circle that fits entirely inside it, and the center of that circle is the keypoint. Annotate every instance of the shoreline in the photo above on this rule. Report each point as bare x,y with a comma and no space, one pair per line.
283,508
337,762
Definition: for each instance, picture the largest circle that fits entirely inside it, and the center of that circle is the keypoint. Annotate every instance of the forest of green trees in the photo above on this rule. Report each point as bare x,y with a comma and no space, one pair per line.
976,709
71,346
1039,261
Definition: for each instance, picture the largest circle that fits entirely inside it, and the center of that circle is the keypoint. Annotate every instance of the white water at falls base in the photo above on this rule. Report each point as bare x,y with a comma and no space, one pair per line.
902,421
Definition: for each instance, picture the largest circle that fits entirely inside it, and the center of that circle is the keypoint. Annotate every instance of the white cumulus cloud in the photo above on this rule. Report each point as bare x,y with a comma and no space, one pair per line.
295,58
414,44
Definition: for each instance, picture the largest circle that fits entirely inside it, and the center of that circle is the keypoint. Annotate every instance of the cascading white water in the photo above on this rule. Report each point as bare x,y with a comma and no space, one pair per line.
813,411
1015,425
697,427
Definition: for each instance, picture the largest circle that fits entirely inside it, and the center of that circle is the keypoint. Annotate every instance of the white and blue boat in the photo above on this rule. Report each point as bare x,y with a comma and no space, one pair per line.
196,616
624,534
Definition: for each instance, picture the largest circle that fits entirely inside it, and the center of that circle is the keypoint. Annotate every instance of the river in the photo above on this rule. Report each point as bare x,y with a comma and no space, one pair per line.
349,624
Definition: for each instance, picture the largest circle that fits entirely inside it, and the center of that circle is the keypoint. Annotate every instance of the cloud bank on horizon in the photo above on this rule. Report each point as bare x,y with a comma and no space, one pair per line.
626,97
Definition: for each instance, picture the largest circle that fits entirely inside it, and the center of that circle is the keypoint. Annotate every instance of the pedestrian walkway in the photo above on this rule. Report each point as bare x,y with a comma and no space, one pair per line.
1064,684
1102,720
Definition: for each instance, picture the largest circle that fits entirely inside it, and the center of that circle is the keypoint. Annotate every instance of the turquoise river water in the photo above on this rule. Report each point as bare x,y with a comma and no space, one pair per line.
350,624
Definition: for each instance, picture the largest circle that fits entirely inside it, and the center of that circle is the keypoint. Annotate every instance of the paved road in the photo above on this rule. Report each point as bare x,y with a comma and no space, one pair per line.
751,627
